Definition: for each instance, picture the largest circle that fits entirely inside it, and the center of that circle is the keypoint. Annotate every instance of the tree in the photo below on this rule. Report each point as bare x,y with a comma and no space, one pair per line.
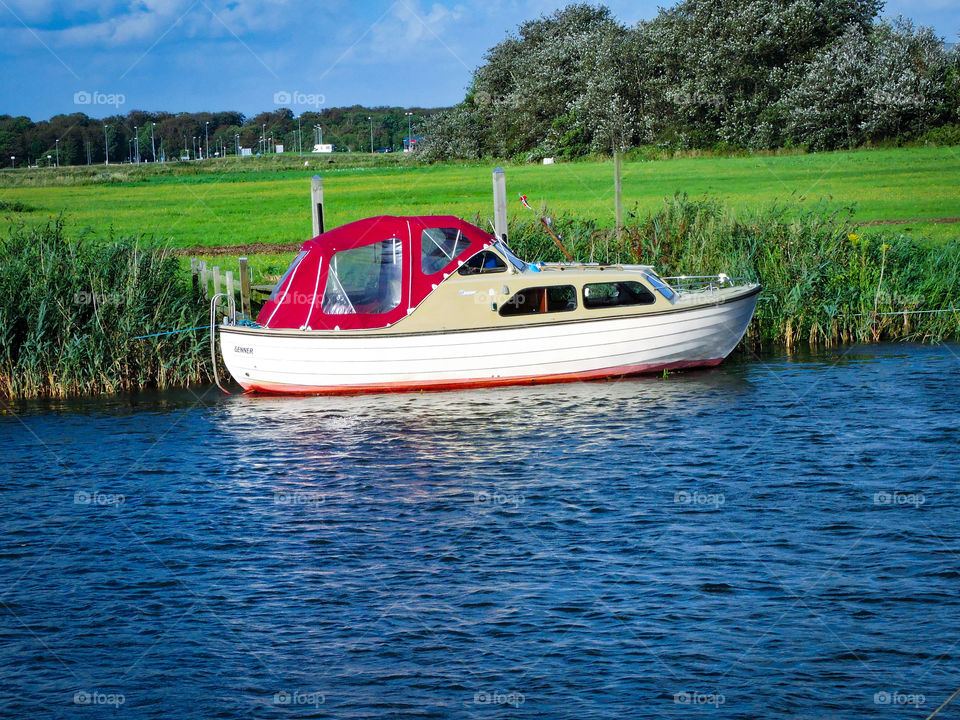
869,85
715,71
556,87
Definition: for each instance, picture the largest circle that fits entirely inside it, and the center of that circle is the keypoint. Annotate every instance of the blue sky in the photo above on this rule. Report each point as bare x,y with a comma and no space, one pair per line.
107,56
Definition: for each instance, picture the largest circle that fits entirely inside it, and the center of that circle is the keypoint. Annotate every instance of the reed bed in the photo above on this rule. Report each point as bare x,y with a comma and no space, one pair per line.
823,281
69,310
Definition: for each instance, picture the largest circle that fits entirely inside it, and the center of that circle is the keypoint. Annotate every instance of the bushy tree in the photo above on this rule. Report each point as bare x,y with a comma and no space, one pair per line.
715,71
888,81
556,87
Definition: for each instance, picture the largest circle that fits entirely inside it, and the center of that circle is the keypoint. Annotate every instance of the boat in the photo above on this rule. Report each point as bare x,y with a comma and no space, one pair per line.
434,302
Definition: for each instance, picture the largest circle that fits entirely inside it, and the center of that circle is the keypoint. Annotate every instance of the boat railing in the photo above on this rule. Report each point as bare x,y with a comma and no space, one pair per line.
699,283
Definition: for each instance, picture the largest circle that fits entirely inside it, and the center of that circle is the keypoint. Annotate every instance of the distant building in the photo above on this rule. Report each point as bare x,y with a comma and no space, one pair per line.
410,143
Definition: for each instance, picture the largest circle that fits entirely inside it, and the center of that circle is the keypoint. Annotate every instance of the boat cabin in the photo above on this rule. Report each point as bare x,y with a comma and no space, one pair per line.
370,274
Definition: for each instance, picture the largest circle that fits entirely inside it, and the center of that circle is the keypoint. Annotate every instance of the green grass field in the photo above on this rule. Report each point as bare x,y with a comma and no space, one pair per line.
227,202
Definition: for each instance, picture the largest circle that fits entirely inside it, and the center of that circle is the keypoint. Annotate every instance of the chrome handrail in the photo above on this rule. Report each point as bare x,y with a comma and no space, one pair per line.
691,283
232,309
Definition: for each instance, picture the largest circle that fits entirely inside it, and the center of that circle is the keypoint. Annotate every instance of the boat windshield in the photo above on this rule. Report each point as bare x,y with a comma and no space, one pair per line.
510,255
659,285
293,266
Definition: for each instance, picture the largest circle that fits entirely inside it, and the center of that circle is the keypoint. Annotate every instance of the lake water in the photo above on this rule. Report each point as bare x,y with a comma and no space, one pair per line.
778,537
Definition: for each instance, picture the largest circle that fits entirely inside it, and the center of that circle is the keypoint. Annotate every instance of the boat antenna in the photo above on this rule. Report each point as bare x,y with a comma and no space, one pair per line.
546,226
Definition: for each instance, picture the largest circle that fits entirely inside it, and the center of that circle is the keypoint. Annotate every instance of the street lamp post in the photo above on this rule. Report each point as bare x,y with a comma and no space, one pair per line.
371,134
236,137
136,143
58,152
409,132
106,147
153,144
13,161
206,134
194,147
299,139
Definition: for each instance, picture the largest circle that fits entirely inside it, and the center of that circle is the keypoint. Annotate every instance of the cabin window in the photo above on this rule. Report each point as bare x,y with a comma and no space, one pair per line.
558,298
616,294
483,262
286,276
438,248
366,279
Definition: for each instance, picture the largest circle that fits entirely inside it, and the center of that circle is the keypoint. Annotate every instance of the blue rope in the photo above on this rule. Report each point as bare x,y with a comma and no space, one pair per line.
242,320
172,332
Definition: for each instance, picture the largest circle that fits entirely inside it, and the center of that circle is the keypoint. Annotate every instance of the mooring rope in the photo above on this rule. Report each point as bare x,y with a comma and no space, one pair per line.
171,332
945,703
906,312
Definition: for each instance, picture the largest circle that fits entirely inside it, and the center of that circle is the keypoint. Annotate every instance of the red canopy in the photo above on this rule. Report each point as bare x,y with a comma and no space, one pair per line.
370,273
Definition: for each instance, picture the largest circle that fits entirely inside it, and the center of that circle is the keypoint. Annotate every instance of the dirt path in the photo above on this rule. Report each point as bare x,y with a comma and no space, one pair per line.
939,221
249,249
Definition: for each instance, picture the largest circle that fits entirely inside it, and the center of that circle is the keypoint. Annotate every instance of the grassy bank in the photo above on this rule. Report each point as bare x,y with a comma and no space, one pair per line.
70,308
266,200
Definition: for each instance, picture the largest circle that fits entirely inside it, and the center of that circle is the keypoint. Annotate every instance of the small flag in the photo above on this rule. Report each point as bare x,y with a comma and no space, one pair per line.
523,199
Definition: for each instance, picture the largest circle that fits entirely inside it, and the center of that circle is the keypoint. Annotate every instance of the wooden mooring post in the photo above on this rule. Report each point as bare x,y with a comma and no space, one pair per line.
618,192
228,279
244,287
316,204
500,203
216,280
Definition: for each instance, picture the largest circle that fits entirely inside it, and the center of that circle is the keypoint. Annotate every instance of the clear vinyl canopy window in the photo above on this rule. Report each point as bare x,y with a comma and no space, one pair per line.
438,247
366,279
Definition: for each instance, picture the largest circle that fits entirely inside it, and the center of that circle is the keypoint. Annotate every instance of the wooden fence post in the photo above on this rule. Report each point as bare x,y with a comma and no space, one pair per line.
500,203
228,278
195,277
316,204
216,280
244,287
205,279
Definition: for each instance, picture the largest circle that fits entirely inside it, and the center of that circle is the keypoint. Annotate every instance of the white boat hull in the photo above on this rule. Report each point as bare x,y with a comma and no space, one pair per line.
309,362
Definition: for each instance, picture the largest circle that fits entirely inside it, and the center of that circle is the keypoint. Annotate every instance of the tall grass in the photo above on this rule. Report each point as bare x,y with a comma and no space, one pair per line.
823,281
69,310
